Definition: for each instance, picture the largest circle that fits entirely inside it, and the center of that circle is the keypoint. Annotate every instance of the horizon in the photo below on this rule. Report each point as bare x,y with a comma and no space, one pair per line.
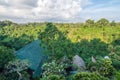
59,22
59,11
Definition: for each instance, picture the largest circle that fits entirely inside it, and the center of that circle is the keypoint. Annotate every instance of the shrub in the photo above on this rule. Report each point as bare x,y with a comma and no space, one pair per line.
116,64
52,77
103,67
16,69
88,76
115,55
117,76
52,68
15,76
6,55
55,77
3,77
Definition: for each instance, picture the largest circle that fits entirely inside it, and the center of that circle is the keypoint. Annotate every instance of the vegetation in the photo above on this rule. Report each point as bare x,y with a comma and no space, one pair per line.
6,55
117,76
103,67
52,68
61,42
88,76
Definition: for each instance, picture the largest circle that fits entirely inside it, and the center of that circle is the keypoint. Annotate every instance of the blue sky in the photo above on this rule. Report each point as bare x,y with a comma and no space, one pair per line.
109,9
59,10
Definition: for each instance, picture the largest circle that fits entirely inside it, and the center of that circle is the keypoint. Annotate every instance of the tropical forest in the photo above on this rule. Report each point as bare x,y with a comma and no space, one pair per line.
70,51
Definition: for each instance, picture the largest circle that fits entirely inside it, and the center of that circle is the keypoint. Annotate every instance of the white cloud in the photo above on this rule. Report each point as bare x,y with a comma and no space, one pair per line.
42,9
57,10
15,9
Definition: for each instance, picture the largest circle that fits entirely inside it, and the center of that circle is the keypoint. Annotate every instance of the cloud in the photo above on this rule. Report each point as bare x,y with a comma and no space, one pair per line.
16,8
57,10
42,10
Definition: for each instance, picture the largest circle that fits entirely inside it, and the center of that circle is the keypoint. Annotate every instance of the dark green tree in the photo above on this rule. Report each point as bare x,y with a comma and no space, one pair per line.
6,55
5,23
89,23
102,22
113,23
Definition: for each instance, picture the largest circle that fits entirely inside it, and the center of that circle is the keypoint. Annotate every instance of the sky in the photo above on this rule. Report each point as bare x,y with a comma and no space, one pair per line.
22,11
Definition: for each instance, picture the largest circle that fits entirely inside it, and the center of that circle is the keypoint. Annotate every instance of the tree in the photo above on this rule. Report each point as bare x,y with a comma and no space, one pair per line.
6,23
89,76
115,55
89,23
103,66
102,22
17,66
53,68
6,55
94,47
113,23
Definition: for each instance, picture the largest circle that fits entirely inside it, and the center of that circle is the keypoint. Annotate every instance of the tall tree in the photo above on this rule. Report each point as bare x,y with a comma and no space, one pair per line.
102,22
89,23
113,23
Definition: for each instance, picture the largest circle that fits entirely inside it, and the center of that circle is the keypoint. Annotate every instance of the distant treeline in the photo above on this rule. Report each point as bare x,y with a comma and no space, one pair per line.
88,23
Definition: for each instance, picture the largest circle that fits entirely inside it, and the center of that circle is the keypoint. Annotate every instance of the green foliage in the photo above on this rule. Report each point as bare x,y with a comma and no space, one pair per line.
3,77
18,35
116,42
5,23
57,44
102,22
116,64
52,68
103,67
25,75
53,71
52,77
15,70
94,47
14,76
113,23
68,39
65,61
88,76
89,23
55,77
117,76
17,66
114,53
6,55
